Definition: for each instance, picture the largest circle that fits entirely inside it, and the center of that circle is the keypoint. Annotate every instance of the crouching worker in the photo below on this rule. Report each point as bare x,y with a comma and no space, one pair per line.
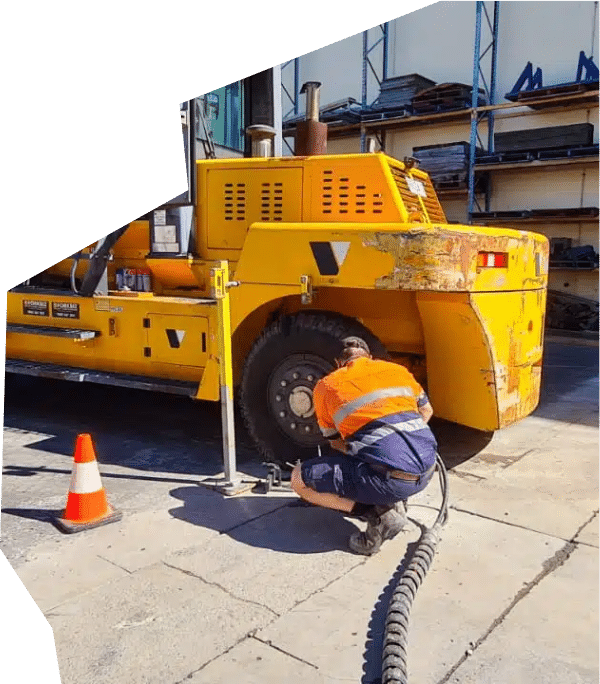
376,414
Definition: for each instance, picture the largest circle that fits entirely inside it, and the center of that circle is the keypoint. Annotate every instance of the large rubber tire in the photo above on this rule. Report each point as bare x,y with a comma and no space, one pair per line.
283,366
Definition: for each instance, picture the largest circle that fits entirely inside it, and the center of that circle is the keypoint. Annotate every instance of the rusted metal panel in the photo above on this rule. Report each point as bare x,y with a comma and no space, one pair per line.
446,259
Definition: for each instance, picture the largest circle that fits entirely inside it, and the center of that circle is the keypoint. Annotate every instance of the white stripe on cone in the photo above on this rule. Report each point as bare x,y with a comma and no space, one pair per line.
86,478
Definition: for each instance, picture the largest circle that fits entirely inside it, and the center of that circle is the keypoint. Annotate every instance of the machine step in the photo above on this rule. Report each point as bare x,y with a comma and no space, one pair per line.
71,333
46,370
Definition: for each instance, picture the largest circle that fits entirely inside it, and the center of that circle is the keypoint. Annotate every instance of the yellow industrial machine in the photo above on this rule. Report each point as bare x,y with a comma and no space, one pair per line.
319,248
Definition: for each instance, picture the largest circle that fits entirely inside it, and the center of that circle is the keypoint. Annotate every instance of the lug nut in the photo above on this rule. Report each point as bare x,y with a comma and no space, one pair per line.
310,378
296,376
282,414
293,426
284,383
278,397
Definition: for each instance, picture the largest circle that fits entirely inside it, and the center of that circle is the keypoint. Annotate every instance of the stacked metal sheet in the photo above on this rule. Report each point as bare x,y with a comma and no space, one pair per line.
552,137
398,92
447,164
570,312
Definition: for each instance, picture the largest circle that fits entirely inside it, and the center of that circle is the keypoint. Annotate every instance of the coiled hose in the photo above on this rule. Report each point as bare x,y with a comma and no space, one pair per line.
394,666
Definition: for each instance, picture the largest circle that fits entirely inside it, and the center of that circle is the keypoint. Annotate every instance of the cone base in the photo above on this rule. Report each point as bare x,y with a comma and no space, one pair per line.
69,526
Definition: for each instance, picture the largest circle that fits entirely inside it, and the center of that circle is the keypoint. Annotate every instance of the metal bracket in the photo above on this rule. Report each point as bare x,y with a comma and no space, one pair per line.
591,70
527,76
306,290
273,480
229,488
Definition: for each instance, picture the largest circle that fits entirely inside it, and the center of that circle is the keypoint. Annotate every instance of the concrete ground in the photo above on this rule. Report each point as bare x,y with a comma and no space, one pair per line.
194,587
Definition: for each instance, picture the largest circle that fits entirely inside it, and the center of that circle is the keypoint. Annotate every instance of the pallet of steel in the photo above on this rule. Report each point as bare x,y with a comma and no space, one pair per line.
535,155
505,158
399,91
552,137
343,111
445,157
370,114
587,151
570,312
576,264
501,215
446,97
571,213
560,91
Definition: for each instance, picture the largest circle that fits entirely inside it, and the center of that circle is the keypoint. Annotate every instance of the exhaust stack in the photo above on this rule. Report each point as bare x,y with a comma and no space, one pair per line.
261,140
311,134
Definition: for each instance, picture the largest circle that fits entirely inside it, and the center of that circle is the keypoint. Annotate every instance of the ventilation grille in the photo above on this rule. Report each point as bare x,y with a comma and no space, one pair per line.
435,213
271,202
340,196
234,195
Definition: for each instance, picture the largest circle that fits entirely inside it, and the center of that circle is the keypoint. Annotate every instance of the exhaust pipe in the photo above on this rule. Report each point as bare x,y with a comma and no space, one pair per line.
261,140
311,134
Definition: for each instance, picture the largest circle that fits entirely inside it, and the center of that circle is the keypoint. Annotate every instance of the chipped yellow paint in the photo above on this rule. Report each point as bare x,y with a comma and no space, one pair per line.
446,259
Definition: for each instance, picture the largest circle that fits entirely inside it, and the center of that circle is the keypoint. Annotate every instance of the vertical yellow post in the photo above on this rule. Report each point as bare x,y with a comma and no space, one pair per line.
219,287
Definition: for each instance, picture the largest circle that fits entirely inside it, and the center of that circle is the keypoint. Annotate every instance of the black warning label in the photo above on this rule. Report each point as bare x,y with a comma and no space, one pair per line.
65,310
35,307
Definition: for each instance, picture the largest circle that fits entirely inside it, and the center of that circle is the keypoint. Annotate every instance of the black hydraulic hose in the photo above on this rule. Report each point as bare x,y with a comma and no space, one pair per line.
394,667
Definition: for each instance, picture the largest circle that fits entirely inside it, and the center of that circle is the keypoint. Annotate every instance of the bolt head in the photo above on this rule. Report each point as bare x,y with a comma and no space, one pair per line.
296,376
282,414
284,383
278,397
293,426
310,378
307,428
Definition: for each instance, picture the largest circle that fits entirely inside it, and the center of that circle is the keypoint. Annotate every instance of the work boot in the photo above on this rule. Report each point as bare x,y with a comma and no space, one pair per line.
383,523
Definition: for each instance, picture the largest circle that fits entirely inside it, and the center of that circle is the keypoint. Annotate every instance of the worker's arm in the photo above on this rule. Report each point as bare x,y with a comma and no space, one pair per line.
426,411
423,405
324,419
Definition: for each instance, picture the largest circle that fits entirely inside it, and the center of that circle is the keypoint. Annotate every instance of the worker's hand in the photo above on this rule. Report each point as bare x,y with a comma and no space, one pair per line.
426,411
340,445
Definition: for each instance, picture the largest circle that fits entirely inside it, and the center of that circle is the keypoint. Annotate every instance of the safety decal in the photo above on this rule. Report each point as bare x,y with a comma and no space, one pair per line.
175,337
65,310
329,256
35,307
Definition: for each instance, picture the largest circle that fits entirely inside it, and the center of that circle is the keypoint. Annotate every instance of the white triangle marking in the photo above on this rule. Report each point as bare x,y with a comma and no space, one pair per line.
340,251
180,335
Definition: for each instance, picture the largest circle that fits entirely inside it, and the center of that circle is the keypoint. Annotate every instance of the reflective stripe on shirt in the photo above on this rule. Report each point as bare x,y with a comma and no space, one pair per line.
349,408
380,433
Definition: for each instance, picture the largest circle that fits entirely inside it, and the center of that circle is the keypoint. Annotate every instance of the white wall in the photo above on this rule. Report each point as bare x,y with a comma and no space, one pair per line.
437,42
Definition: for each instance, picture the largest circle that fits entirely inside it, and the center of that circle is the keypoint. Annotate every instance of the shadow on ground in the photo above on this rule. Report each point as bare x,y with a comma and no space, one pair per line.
151,431
164,433
284,524
132,428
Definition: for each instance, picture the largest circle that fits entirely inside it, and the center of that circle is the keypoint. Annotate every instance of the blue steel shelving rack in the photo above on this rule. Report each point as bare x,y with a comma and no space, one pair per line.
484,60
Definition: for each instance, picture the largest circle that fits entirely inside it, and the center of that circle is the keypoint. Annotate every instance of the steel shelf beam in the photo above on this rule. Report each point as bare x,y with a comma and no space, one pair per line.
484,61
369,44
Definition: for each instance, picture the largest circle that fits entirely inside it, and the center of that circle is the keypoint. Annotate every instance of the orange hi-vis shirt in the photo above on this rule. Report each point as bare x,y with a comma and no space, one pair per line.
362,391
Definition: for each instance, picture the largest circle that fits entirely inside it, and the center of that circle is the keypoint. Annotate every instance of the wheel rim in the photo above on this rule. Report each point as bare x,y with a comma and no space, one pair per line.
290,396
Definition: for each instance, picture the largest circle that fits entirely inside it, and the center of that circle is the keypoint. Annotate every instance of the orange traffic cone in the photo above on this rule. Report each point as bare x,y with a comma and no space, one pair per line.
86,502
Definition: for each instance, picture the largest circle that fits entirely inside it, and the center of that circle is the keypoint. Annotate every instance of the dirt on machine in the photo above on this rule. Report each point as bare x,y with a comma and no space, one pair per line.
320,247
